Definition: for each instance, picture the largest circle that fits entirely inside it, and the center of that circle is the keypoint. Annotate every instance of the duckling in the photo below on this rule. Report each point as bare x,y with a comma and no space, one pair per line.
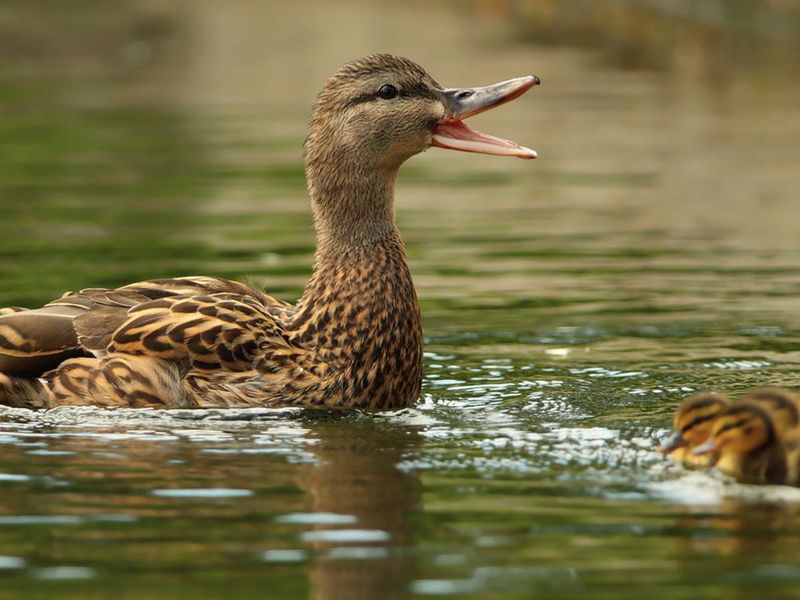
747,445
354,339
693,422
780,403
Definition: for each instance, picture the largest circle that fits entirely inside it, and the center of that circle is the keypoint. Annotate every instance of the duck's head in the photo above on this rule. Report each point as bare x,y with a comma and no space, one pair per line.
694,420
740,429
377,112
780,403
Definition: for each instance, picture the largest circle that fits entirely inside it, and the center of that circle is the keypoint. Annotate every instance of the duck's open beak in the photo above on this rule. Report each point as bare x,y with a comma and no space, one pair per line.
451,132
672,443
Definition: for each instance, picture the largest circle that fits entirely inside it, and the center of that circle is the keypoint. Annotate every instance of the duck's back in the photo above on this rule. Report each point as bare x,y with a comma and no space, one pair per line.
135,345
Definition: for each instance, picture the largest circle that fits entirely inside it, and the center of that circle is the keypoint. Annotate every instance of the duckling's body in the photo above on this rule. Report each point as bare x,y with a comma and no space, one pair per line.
353,339
747,444
780,403
791,445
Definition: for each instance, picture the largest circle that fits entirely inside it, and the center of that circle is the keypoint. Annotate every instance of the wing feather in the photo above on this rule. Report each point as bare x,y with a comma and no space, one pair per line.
159,329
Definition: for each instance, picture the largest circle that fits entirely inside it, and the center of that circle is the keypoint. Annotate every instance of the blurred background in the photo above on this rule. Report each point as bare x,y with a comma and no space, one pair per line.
651,251
143,139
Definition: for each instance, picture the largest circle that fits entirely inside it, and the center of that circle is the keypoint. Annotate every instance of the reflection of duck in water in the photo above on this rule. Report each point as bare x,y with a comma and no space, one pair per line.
353,339
358,473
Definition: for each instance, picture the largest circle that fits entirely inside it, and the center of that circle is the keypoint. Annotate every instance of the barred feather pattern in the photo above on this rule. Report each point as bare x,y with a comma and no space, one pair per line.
354,340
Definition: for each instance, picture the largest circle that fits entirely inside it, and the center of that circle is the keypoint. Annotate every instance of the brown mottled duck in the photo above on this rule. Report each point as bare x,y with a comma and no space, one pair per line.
353,339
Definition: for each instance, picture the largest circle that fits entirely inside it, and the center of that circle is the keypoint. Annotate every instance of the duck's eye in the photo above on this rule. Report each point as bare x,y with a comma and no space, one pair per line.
387,92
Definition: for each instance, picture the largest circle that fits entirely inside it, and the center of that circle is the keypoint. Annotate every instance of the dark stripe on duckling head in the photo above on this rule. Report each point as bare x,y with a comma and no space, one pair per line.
741,410
697,421
734,425
701,401
778,400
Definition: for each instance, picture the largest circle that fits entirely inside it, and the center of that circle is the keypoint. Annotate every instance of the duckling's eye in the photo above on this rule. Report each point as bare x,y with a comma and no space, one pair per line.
387,92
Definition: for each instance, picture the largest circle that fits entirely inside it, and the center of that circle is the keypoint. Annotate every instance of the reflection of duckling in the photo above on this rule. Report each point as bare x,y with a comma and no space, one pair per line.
746,441
693,422
780,403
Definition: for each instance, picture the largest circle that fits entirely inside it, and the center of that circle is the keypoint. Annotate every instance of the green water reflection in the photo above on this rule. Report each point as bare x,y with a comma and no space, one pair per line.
651,251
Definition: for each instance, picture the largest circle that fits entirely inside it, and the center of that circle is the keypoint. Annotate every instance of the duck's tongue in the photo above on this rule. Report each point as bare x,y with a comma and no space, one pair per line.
454,134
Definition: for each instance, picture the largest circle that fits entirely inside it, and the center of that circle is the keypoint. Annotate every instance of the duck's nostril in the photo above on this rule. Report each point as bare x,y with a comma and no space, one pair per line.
465,94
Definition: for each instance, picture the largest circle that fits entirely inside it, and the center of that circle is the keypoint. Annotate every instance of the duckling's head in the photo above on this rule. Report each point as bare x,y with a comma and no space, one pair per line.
740,429
377,112
693,421
780,403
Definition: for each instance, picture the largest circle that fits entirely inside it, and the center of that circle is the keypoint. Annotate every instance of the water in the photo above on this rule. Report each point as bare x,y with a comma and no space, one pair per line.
569,303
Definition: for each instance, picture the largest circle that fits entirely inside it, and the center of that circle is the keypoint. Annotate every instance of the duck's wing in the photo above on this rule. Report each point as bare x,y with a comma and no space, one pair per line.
221,337
83,323
208,332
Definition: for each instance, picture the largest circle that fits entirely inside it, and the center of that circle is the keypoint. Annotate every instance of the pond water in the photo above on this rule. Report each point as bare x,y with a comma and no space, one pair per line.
569,303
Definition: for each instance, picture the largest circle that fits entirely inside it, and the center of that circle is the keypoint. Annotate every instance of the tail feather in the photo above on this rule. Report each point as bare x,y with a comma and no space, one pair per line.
35,341
21,392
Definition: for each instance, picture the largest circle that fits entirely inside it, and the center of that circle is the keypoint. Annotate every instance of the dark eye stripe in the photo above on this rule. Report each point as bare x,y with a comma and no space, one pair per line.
362,98
695,422
413,91
734,425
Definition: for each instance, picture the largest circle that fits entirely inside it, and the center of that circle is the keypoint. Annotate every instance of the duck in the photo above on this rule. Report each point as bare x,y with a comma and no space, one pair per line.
747,445
695,416
780,403
693,422
353,339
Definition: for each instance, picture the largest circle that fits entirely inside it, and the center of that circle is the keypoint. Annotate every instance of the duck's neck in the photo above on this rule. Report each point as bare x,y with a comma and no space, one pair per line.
353,203
359,310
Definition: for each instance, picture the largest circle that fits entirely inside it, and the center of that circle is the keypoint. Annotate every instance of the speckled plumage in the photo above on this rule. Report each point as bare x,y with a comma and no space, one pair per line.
354,339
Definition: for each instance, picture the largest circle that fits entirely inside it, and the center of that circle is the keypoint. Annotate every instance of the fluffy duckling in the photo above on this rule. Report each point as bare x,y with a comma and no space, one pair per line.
747,445
693,423
780,403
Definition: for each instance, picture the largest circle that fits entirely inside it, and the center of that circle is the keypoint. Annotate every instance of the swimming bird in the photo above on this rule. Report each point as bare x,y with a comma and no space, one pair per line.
747,444
780,403
693,422
353,339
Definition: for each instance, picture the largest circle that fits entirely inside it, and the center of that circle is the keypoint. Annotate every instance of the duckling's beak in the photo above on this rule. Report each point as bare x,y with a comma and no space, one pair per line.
451,132
706,447
672,443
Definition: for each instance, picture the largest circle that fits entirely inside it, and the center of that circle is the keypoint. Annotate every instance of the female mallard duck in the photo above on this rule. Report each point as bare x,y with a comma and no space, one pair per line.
693,422
747,445
353,339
